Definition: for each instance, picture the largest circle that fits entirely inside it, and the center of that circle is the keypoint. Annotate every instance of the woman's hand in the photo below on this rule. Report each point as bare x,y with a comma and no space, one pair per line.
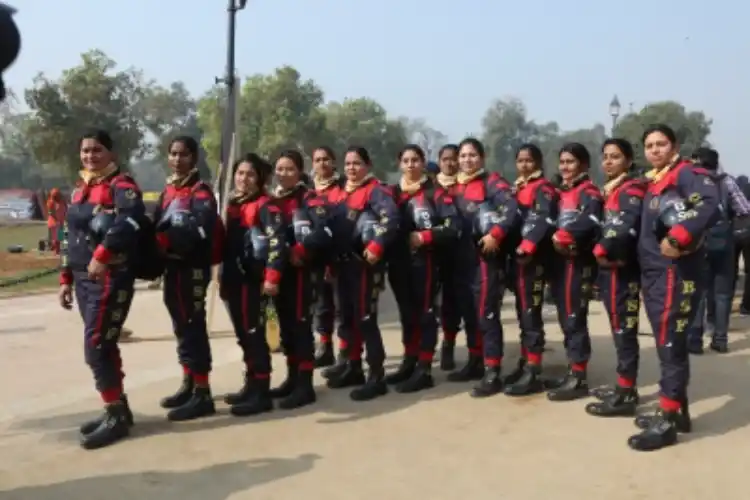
415,240
489,243
65,296
96,270
370,257
270,289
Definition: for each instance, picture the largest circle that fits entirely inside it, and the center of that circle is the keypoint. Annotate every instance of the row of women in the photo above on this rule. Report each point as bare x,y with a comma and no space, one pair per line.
465,234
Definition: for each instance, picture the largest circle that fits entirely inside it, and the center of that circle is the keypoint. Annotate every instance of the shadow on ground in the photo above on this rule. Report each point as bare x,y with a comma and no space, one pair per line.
216,482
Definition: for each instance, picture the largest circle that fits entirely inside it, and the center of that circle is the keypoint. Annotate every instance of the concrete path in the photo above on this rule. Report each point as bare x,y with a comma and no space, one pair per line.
439,445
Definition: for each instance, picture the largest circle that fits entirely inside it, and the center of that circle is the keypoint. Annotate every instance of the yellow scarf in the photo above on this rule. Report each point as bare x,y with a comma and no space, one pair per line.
239,197
447,180
280,192
352,186
464,178
321,184
411,187
655,175
612,184
575,180
522,181
180,180
91,177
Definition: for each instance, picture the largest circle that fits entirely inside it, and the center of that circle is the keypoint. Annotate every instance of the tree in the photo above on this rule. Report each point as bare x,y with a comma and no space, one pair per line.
426,137
506,128
364,122
277,111
91,95
691,127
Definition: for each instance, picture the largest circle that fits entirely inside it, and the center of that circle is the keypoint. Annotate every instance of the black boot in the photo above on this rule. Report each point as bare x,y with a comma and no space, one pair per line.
303,393
661,432
421,378
337,369
113,427
530,382
182,396
682,421
573,386
351,376
235,397
720,346
92,425
258,400
201,404
472,370
404,371
516,374
374,386
448,356
491,383
324,355
622,402
288,385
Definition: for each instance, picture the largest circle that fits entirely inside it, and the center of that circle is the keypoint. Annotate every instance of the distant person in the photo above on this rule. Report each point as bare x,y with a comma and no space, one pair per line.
742,248
716,306
10,42
56,213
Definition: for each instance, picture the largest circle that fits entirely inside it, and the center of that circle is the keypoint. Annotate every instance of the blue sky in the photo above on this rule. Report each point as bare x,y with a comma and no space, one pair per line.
439,60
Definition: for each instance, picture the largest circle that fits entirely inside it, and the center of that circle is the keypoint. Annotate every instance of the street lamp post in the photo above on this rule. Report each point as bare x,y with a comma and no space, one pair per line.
229,80
614,112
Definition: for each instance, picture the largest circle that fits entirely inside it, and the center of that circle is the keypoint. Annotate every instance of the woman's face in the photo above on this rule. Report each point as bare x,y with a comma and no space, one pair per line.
614,163
412,166
245,178
354,167
469,160
570,167
448,162
287,173
323,167
180,158
525,164
94,156
659,150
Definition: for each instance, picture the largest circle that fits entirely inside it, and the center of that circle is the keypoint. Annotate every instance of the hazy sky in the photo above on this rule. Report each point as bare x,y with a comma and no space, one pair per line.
440,60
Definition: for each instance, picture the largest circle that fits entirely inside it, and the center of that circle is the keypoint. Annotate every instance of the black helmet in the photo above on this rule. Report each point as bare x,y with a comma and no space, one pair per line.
99,225
674,210
10,42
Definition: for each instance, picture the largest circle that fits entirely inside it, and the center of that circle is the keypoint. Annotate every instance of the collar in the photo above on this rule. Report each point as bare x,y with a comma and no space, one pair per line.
467,178
280,192
239,197
521,182
655,175
353,186
93,177
321,184
583,176
411,187
179,181
447,180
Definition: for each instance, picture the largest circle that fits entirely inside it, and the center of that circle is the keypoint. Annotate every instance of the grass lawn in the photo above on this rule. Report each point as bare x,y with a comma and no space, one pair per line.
13,266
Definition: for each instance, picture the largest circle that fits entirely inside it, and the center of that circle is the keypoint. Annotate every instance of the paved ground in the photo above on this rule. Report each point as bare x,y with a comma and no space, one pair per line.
439,445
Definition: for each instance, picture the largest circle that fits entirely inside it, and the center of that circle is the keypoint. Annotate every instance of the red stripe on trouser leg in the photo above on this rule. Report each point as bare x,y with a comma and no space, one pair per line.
533,358
449,336
493,362
306,366
200,379
262,376
111,395
185,370
325,338
426,356
669,404
343,344
524,352
475,351
625,382
579,367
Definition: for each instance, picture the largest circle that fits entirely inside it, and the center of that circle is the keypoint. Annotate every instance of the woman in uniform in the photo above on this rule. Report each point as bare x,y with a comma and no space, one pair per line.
103,220
619,273
429,223
579,213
